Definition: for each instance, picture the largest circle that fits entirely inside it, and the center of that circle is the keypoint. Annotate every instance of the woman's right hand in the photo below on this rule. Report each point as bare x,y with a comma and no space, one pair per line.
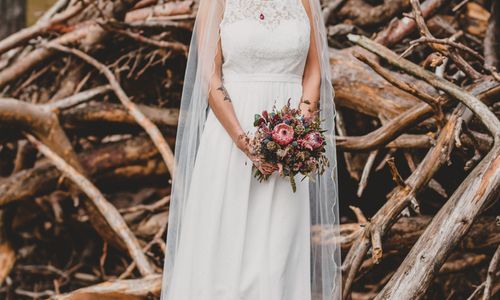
243,143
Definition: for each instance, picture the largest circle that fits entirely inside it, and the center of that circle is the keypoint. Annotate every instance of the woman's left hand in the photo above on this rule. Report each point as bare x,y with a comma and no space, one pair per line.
266,168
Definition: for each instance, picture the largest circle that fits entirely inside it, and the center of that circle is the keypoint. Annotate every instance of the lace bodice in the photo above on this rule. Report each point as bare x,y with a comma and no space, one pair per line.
264,36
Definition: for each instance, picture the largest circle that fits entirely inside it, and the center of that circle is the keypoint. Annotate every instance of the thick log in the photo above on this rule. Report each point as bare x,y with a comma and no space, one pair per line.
160,10
42,179
111,113
365,14
387,132
132,289
359,88
41,122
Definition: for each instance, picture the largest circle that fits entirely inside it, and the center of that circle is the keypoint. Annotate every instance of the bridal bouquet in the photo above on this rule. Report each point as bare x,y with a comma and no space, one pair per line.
296,144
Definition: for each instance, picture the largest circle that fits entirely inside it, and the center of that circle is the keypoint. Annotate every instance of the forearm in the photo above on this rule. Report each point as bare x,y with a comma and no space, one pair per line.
311,81
221,104
311,91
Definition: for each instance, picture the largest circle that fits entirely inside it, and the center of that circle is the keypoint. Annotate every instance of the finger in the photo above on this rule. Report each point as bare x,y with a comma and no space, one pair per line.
265,171
270,166
268,170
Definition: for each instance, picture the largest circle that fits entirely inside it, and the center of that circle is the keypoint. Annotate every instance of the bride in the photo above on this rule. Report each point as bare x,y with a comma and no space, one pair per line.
231,237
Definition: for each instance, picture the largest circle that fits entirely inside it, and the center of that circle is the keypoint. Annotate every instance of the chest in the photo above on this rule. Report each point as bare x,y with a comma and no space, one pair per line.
265,29
270,14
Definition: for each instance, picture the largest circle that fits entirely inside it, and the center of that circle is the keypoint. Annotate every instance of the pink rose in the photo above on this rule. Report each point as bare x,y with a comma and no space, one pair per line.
283,134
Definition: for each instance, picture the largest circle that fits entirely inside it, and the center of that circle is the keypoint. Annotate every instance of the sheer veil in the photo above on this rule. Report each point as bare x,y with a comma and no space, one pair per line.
325,247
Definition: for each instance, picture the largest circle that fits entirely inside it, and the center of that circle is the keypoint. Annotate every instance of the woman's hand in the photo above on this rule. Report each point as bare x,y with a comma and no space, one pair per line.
243,143
308,109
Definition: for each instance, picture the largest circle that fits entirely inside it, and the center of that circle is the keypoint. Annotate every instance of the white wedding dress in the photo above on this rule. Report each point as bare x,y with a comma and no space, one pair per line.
243,239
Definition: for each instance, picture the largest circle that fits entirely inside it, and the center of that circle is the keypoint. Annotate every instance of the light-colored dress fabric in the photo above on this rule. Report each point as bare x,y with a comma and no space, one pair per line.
243,239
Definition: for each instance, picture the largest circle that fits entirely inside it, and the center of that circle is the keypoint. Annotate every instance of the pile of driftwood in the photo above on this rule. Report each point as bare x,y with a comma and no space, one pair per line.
88,109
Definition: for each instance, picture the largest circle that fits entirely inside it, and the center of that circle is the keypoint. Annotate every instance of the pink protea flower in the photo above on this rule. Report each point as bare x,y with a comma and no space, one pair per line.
315,139
283,134
311,141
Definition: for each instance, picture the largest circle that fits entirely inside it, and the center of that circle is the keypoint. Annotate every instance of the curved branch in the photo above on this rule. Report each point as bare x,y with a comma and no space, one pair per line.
474,104
400,28
149,127
387,132
106,209
492,271
126,289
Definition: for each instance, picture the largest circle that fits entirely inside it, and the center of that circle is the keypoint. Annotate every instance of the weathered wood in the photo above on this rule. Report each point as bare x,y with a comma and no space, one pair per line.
42,179
132,289
13,16
480,109
359,88
89,34
446,229
23,35
106,209
132,108
143,44
400,28
491,275
492,37
7,253
400,199
110,113
456,216
45,126
483,234
363,13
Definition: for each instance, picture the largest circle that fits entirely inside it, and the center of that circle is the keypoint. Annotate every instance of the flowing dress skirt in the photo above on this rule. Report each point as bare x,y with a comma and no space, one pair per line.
242,239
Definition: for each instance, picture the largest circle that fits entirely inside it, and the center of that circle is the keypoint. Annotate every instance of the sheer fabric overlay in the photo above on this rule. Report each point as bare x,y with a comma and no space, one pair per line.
325,249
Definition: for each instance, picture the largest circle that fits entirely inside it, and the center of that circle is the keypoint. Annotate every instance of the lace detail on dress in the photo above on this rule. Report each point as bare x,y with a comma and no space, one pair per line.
269,13
277,42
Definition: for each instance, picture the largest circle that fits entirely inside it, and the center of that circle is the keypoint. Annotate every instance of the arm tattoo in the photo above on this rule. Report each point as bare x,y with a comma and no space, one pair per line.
309,104
225,93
